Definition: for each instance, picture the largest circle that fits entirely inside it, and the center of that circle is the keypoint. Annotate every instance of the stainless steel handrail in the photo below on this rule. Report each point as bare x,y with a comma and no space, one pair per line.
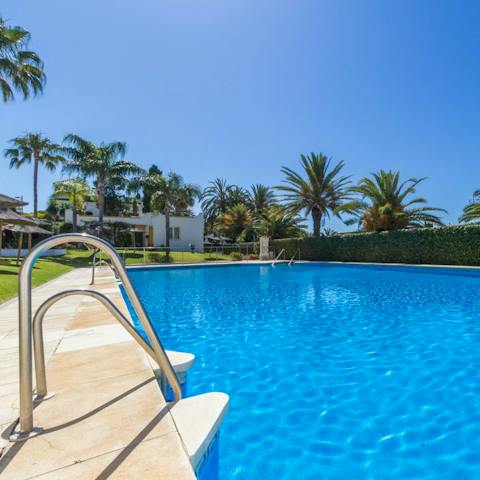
38,350
25,320
293,258
277,257
100,262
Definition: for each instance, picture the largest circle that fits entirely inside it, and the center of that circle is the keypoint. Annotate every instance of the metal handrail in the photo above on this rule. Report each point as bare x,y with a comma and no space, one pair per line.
99,263
293,258
25,320
277,257
38,348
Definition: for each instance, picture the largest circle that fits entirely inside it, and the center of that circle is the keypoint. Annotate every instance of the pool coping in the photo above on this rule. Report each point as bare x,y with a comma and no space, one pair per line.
283,262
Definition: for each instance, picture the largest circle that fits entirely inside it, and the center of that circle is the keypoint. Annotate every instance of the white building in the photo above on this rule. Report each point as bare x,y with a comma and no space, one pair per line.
185,232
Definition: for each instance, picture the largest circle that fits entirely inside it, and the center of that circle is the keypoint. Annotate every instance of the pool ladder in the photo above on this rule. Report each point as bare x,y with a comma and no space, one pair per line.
155,349
278,256
290,263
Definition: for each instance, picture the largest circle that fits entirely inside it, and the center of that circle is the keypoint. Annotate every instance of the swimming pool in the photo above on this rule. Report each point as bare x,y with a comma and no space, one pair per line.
334,371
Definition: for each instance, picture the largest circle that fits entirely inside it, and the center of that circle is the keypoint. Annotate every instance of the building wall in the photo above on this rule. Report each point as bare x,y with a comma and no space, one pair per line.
191,228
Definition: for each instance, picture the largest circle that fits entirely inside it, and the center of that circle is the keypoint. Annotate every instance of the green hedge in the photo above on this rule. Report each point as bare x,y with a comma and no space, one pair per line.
452,245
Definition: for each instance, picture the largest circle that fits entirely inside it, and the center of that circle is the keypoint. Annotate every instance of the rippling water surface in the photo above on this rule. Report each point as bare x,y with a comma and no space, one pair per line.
334,372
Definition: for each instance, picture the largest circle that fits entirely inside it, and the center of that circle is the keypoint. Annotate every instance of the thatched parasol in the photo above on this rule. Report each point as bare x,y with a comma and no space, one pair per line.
10,217
9,202
29,230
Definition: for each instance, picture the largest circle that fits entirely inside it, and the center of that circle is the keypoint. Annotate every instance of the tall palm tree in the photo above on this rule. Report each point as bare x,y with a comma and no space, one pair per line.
105,162
237,195
147,194
77,191
261,198
384,204
171,195
21,69
275,222
36,148
215,199
320,193
471,212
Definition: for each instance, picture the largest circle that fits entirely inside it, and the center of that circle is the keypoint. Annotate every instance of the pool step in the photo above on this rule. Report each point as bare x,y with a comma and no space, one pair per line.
198,420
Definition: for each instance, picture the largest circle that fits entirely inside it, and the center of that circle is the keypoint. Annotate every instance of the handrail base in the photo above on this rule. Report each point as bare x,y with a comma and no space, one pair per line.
42,398
17,436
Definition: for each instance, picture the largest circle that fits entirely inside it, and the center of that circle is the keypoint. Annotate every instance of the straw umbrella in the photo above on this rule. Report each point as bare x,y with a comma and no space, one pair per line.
10,217
10,202
26,229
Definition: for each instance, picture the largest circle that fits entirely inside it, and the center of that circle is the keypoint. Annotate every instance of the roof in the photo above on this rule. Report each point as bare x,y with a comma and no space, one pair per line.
6,201
9,216
26,229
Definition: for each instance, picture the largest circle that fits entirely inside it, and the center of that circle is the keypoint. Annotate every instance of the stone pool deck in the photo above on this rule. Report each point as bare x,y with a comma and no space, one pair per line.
108,418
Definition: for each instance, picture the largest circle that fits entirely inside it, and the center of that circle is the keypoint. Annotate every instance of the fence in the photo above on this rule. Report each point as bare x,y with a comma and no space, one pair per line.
212,253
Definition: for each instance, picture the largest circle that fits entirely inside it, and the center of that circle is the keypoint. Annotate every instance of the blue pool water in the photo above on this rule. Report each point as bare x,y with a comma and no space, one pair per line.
334,372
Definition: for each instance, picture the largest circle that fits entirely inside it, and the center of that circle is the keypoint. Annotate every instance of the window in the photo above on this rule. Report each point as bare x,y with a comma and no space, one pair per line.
174,233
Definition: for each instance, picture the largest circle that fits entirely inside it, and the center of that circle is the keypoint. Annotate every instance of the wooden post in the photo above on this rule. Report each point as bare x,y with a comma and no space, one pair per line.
29,241
1,236
20,244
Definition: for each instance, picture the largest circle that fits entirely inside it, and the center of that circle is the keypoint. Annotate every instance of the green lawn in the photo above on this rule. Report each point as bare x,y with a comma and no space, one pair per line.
134,257
47,268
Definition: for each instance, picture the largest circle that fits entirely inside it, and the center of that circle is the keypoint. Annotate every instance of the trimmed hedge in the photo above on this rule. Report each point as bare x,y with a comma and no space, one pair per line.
452,245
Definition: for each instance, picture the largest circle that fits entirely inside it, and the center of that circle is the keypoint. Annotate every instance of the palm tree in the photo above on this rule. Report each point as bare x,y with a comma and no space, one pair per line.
320,193
147,193
237,195
171,196
236,222
76,190
215,199
278,223
261,198
384,204
20,69
104,162
36,148
471,211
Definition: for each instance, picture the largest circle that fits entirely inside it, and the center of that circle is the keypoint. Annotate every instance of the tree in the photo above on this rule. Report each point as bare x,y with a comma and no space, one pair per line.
471,212
237,195
21,69
275,222
36,148
215,199
105,162
320,193
147,192
236,222
77,191
261,198
384,204
171,196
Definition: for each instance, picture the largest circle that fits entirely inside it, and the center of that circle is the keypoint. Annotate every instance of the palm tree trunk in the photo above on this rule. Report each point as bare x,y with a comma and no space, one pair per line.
35,183
317,221
101,197
74,214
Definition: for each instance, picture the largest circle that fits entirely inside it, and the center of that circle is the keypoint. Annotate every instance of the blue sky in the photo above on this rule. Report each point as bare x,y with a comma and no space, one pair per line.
239,89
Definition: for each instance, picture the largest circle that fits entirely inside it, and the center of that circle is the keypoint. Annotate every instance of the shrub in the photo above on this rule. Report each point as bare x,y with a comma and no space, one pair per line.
65,228
451,245
236,256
